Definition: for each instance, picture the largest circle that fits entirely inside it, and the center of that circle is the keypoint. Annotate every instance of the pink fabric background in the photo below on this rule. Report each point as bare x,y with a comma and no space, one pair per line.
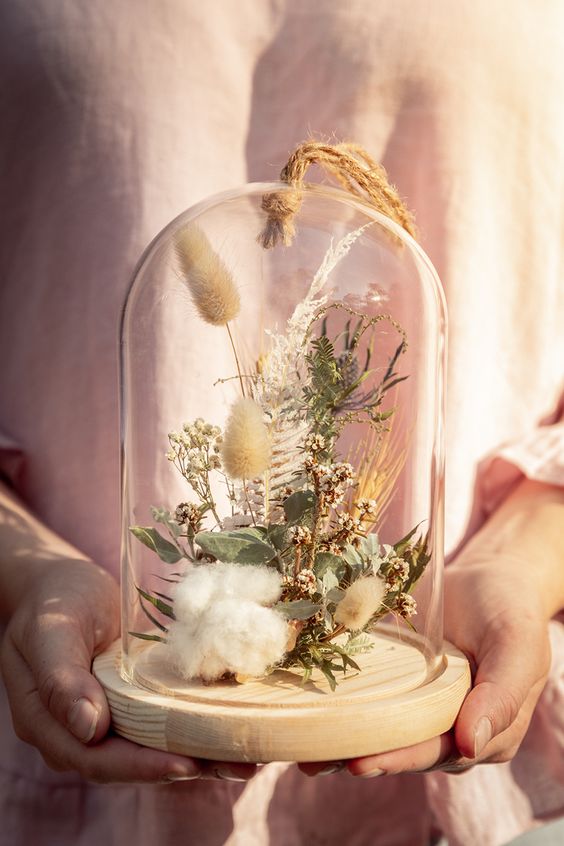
118,116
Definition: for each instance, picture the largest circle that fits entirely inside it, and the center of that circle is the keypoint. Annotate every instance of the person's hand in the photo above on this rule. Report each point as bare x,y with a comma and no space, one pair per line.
67,615
500,594
502,629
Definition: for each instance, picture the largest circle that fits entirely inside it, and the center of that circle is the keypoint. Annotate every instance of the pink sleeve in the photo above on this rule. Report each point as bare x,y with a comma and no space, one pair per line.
537,455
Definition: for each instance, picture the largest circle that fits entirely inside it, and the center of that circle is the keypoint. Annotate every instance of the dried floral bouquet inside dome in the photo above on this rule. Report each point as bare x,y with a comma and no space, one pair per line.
294,574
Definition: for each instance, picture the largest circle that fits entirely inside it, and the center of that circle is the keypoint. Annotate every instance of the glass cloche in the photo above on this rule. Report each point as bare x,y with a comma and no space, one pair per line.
282,471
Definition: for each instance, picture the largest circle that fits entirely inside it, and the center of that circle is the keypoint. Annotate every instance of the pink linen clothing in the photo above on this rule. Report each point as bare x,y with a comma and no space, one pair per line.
118,116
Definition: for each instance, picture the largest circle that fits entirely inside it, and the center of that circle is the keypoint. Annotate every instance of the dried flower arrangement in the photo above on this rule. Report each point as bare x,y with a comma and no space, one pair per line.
295,575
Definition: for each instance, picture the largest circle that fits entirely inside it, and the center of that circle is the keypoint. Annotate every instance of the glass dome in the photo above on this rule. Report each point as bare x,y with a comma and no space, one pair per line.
282,431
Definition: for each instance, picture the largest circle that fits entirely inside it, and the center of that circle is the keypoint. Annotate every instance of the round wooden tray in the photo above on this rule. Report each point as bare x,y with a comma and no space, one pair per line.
391,703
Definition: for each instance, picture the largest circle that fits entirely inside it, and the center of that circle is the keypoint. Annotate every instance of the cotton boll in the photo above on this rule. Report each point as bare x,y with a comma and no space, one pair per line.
257,584
234,636
360,602
205,582
221,625
196,590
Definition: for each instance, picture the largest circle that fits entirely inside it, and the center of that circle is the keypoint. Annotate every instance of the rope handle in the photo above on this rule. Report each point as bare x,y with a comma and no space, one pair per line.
351,166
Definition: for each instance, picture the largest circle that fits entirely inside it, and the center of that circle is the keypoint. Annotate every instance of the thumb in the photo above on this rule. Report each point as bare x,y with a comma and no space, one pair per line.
512,662
60,661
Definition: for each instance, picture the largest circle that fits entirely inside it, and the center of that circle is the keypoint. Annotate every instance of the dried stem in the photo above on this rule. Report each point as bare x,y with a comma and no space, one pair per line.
239,372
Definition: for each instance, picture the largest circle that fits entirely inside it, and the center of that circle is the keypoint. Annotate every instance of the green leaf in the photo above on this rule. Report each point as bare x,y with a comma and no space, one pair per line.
357,644
351,556
298,609
278,536
402,544
335,595
159,604
161,515
239,547
152,617
254,532
298,504
345,657
144,636
329,581
327,562
166,551
163,596
306,674
325,668
370,545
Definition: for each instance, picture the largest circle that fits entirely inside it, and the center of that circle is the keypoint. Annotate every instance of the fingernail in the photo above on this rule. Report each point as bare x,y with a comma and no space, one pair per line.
330,769
373,773
228,775
83,719
483,733
170,777
182,772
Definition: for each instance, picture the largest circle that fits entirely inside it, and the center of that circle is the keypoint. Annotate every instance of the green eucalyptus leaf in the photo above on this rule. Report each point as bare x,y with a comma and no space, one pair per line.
166,550
243,546
161,515
370,545
335,594
351,556
298,505
298,609
255,532
328,620
329,581
278,536
327,562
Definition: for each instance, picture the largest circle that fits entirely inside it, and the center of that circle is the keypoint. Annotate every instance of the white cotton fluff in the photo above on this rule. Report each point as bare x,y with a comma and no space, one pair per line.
222,624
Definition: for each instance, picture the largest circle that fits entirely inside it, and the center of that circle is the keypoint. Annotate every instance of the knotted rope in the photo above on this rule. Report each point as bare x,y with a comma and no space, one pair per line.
351,166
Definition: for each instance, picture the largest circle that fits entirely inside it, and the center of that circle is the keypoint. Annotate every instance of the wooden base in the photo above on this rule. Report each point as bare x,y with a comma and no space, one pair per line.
392,703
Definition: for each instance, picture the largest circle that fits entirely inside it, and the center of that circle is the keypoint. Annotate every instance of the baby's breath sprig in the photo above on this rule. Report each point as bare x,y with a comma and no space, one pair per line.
195,453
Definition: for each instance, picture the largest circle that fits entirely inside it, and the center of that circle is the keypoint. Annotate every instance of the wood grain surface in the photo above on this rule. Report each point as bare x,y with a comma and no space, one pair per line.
393,702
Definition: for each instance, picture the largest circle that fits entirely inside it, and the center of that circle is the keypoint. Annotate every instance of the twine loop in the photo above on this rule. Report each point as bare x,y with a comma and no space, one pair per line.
280,206
351,166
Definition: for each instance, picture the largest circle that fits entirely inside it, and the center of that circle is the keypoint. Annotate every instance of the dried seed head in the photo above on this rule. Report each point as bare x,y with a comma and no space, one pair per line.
210,283
246,442
360,602
406,605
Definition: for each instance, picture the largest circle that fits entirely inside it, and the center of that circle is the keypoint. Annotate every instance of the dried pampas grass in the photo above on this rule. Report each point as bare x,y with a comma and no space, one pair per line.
246,442
210,283
360,602
222,624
